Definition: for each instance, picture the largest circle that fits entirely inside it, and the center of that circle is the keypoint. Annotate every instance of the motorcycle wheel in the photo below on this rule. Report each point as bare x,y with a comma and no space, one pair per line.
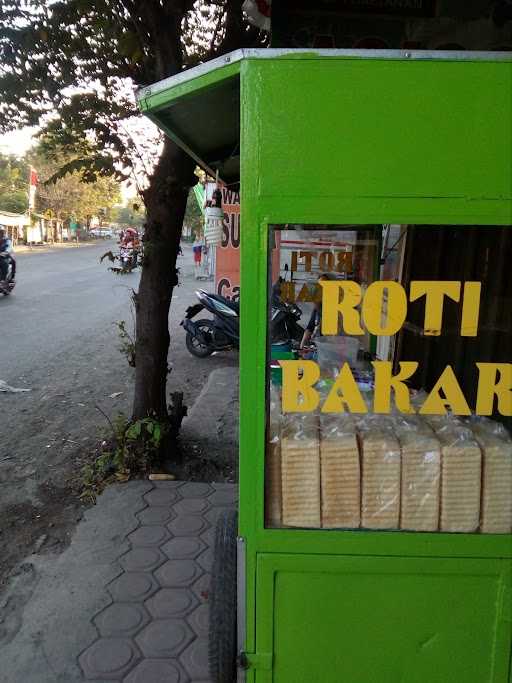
194,344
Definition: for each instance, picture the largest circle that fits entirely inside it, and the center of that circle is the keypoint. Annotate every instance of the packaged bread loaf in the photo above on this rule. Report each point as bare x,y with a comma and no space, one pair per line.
421,474
380,473
460,477
300,471
273,495
339,472
496,503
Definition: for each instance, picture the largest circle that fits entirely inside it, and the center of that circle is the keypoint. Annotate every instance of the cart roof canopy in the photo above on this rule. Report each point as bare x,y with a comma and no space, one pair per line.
200,108
393,136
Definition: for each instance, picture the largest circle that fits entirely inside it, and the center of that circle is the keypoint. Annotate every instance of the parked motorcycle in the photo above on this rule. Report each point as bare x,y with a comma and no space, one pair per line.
285,329
8,284
206,335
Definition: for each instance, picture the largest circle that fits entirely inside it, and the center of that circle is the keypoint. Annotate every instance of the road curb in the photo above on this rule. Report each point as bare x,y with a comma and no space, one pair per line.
45,248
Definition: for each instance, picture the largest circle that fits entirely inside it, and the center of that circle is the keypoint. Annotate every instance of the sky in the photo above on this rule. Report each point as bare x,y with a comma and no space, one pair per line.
17,142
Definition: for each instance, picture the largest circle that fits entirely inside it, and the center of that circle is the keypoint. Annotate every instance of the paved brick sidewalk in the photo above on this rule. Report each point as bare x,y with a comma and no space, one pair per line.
155,629
128,599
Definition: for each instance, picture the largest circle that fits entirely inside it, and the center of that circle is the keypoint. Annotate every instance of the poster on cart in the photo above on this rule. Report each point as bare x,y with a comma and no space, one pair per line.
227,256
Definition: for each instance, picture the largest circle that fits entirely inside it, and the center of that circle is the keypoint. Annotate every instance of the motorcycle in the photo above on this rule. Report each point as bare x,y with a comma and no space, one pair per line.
8,284
204,336
127,257
285,329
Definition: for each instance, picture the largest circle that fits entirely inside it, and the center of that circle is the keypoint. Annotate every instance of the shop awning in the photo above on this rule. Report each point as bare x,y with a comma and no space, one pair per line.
14,220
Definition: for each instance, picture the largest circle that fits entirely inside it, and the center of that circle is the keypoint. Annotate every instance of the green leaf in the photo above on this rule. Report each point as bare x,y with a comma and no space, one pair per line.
157,432
134,431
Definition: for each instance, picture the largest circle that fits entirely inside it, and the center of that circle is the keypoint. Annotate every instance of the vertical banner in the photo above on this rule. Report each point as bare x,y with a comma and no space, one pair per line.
32,189
227,262
227,256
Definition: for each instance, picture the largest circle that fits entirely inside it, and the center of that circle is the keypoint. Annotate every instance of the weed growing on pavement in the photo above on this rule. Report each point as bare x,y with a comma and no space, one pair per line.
127,346
132,449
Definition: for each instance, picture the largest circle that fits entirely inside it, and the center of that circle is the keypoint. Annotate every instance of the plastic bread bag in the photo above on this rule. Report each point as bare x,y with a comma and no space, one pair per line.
420,475
380,472
461,469
340,472
300,470
496,446
334,351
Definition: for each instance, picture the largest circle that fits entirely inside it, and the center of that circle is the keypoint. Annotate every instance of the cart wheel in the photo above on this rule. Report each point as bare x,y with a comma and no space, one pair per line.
222,647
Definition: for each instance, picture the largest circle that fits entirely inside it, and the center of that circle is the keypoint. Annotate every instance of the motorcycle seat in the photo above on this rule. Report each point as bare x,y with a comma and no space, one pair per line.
233,305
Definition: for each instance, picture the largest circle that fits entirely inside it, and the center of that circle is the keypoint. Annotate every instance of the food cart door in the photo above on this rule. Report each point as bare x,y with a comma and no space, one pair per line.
332,619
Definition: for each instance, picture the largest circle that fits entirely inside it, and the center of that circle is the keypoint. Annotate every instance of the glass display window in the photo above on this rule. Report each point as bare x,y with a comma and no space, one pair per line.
389,379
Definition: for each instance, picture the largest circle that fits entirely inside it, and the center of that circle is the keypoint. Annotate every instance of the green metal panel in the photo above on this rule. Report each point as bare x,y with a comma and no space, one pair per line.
334,114
359,619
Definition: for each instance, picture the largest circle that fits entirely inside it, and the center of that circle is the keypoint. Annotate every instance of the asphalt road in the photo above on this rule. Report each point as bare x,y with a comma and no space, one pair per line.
58,339
62,299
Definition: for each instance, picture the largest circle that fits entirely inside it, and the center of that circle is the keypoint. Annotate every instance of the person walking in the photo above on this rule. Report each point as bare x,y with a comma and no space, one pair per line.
197,250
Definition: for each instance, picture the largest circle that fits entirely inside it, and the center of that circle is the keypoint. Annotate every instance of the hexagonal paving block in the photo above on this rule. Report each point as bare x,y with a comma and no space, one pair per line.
165,638
157,671
208,536
192,506
109,658
121,619
215,511
156,515
225,497
161,496
195,659
178,573
132,587
142,559
169,484
172,602
149,536
205,559
199,620
183,548
188,525
195,490
201,588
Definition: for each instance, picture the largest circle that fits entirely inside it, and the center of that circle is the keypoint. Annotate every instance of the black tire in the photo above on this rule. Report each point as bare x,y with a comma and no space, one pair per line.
193,344
222,645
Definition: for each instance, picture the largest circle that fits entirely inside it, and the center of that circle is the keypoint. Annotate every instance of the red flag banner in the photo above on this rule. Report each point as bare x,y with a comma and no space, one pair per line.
32,188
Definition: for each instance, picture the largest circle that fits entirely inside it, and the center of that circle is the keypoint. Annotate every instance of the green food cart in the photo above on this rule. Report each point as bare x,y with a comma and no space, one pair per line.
373,538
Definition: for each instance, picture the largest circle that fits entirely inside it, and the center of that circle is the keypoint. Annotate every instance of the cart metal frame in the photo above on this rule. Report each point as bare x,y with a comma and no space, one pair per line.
360,137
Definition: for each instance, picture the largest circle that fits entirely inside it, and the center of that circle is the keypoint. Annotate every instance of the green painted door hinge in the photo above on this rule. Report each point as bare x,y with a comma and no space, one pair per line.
255,660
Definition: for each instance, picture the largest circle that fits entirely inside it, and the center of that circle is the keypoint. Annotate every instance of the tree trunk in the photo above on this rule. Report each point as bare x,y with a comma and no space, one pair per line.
165,201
